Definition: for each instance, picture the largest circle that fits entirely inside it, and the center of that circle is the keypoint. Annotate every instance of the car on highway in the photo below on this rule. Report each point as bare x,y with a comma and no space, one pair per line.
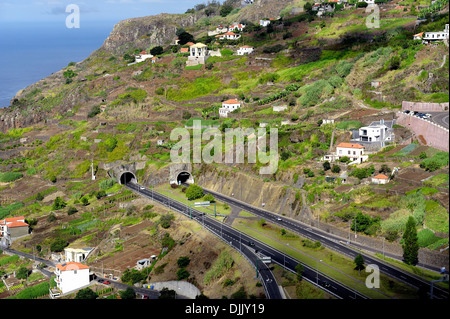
251,243
107,282
406,112
100,280
326,284
141,188
279,219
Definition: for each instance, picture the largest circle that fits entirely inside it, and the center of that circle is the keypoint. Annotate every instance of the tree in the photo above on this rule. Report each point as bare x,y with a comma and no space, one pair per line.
326,165
194,192
336,169
225,10
182,273
85,201
23,273
209,198
410,242
69,74
128,293
158,50
184,38
165,220
86,293
165,293
72,210
308,7
359,262
183,261
59,203
299,272
58,245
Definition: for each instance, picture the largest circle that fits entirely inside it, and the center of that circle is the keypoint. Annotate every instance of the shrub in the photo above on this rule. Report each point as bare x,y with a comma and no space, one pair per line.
72,210
166,219
183,262
158,50
94,111
194,192
182,273
10,176
58,245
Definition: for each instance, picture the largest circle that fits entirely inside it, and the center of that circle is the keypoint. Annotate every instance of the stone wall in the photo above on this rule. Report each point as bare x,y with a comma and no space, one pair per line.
425,107
435,135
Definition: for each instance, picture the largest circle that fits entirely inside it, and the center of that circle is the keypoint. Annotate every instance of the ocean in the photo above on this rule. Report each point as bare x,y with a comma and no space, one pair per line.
30,52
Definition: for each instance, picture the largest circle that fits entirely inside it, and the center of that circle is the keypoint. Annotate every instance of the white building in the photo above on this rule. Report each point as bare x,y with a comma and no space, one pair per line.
236,27
71,276
264,23
245,49
380,132
78,255
380,179
368,1
143,56
228,36
198,54
229,106
354,151
143,263
428,37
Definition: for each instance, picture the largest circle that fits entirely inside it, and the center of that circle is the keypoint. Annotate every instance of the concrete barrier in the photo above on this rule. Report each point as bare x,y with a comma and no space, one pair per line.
435,135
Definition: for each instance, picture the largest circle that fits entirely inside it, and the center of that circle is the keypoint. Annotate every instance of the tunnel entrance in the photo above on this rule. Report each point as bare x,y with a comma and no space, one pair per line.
127,177
183,177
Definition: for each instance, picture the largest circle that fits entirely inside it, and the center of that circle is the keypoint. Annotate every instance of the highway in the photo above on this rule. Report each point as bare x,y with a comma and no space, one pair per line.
333,242
440,118
248,246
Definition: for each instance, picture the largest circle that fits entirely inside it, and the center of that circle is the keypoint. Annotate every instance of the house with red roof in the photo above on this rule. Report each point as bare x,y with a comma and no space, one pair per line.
228,36
353,151
229,106
13,227
71,276
236,27
380,179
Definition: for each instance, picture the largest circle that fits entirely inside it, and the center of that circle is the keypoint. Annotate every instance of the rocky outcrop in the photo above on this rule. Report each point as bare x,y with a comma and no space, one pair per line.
146,32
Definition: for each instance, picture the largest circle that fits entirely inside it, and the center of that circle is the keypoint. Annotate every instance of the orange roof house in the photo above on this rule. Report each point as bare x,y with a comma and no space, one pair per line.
184,50
231,101
381,176
350,145
71,266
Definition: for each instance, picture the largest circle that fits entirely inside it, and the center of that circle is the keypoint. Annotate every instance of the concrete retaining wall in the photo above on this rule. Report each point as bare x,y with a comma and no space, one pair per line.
424,107
435,135
183,288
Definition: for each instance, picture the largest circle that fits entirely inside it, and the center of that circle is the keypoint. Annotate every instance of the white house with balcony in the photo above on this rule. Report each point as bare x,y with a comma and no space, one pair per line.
198,54
71,276
245,49
428,37
354,151
229,106
378,132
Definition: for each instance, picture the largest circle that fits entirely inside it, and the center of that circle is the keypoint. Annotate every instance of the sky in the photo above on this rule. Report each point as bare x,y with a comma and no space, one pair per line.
29,11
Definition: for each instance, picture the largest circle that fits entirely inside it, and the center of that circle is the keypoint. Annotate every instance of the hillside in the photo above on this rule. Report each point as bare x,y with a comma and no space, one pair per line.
107,111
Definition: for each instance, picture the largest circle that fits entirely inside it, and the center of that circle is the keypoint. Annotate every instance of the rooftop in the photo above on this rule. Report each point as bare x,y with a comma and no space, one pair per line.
71,266
350,145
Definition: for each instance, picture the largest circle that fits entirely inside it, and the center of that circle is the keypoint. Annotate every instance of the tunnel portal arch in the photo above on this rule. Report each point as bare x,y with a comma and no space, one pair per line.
127,177
183,177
